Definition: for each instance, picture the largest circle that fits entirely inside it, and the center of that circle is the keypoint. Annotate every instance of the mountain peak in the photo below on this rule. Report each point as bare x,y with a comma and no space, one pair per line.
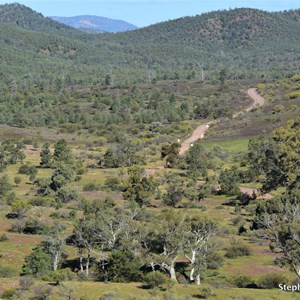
95,23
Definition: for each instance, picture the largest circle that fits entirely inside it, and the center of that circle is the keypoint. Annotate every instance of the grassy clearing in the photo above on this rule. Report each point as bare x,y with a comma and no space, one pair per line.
231,146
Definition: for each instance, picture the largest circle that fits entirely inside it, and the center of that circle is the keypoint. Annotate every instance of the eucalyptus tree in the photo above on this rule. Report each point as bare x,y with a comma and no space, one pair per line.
139,187
200,231
278,157
165,241
279,160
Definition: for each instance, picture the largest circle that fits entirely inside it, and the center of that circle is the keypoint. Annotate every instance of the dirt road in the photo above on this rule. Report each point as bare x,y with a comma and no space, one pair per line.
250,191
197,134
256,97
200,131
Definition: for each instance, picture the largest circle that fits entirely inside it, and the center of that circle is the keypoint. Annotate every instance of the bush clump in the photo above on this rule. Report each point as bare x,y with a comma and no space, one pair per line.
59,276
271,281
9,294
42,292
206,292
3,237
91,187
7,271
237,249
109,295
25,282
244,281
154,279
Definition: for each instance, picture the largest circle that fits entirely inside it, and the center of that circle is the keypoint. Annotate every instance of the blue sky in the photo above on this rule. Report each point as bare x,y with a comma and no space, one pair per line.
146,12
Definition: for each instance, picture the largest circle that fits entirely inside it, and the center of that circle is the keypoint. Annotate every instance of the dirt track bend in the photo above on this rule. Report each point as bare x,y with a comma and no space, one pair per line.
199,132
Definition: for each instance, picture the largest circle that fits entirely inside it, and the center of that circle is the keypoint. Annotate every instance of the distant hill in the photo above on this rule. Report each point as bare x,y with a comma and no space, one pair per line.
237,28
95,23
248,43
26,18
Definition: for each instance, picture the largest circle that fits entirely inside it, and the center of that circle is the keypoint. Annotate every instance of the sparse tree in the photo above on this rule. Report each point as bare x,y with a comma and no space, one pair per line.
46,157
139,188
170,153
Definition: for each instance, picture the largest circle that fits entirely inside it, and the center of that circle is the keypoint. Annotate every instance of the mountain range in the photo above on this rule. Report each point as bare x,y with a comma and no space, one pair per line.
248,43
95,24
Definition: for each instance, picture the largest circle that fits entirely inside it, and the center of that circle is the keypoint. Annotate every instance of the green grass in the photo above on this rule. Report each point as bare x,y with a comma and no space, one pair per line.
231,146
94,290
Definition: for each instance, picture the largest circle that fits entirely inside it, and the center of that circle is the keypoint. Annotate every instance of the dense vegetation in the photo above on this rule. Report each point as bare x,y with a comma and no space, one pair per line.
248,43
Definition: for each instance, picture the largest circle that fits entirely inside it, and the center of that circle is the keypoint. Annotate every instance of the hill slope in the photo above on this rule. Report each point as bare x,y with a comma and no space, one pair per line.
26,18
248,43
238,28
95,23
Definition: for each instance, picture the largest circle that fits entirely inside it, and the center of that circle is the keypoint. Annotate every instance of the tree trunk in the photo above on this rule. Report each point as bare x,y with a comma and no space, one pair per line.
87,265
172,271
81,262
152,267
192,260
198,280
55,262
192,274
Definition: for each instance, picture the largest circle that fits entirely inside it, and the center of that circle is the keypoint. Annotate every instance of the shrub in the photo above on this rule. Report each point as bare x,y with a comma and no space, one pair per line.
236,220
278,109
17,226
293,95
59,276
65,195
229,182
60,215
25,283
206,292
238,249
215,260
154,279
17,180
243,281
27,170
72,214
38,262
33,226
169,295
109,295
123,266
42,292
41,201
112,183
90,187
7,271
272,280
9,294
3,237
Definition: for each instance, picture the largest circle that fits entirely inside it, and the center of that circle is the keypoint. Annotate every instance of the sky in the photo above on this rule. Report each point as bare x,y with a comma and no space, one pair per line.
146,12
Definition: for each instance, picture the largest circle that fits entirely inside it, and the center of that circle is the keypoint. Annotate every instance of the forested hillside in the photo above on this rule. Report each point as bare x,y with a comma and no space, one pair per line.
247,43
24,17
